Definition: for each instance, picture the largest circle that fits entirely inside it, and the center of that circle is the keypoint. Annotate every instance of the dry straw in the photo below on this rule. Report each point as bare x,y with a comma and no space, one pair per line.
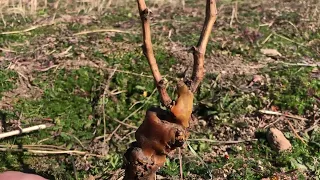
32,7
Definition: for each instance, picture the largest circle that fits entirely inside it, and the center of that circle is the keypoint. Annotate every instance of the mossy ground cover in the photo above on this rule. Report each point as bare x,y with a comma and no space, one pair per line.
83,85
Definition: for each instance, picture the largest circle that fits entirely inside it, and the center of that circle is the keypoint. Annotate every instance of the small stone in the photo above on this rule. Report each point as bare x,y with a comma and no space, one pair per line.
260,168
202,123
259,162
239,148
82,56
277,140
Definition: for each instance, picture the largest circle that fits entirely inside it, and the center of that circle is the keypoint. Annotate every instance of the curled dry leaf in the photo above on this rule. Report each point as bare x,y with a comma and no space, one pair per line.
256,79
91,177
277,140
270,52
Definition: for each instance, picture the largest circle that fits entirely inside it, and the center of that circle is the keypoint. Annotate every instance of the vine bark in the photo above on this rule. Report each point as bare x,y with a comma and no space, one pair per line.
165,130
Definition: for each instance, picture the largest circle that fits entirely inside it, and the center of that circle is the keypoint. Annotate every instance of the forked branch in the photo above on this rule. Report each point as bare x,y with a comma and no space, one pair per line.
164,130
148,52
200,50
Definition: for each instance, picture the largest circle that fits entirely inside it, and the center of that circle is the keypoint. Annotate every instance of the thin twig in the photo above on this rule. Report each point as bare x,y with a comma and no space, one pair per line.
43,145
267,39
106,91
74,168
7,50
2,18
295,27
274,122
47,69
148,52
232,15
72,152
133,113
77,139
222,142
209,171
127,135
101,30
141,74
138,102
301,64
25,30
115,92
180,164
295,132
125,124
24,130
282,114
236,13
200,50
62,54
45,139
131,73
315,125
33,147
288,39
107,84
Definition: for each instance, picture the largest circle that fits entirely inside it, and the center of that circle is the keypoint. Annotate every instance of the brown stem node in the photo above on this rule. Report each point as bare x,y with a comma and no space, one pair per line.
138,166
146,13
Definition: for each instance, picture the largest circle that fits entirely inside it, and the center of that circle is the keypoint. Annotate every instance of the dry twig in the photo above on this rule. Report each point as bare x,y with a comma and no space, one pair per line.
125,124
44,149
223,142
133,113
272,123
295,132
180,164
148,52
282,114
301,64
71,152
200,50
25,30
315,125
40,146
24,130
99,31
288,39
131,73
7,50
106,91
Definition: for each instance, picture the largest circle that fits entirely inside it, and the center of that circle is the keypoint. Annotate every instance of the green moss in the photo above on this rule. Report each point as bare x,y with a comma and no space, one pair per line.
294,89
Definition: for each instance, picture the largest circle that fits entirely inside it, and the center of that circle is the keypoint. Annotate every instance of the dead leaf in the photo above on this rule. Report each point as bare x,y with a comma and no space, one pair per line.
91,177
274,108
257,78
270,52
